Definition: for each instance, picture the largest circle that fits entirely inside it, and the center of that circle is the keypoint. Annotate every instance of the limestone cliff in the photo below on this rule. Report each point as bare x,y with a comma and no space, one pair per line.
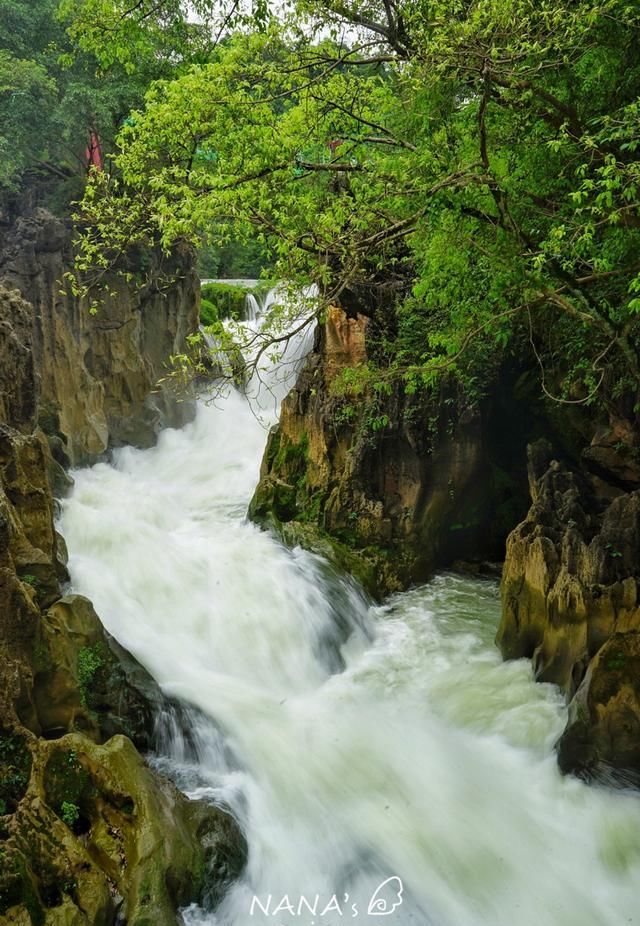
98,373
391,485
571,598
88,833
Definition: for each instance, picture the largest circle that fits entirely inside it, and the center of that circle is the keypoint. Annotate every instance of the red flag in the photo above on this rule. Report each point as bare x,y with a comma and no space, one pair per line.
93,154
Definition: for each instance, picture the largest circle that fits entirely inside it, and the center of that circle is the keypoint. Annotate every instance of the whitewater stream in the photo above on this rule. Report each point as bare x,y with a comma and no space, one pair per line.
356,745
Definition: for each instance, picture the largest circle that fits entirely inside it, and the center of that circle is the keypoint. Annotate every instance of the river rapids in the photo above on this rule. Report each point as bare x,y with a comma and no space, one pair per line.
384,763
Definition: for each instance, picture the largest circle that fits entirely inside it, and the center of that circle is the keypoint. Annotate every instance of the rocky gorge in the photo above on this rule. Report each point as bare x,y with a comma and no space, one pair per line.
88,832
390,487
393,486
319,463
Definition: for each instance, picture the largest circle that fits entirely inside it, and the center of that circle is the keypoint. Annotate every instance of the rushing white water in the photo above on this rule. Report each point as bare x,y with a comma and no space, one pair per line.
408,751
252,307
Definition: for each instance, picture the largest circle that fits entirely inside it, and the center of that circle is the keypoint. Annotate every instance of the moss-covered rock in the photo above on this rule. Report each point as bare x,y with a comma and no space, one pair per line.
375,569
402,483
222,300
15,769
85,681
98,833
602,737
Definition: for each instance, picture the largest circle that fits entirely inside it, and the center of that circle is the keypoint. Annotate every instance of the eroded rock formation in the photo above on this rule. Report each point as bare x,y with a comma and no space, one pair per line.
571,597
92,835
88,833
602,738
98,372
390,485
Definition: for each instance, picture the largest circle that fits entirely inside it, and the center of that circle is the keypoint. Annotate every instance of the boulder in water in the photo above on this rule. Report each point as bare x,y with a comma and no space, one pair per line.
602,738
86,681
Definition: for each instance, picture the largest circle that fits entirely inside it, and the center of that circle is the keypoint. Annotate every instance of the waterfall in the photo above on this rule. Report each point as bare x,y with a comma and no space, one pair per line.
377,757
247,363
252,307
272,379
256,306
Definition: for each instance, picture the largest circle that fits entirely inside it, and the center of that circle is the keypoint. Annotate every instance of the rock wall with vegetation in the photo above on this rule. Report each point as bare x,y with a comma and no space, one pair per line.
389,484
98,373
88,833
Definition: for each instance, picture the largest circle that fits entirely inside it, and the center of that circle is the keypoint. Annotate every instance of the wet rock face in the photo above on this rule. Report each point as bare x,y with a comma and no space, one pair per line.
570,579
98,373
393,485
17,378
92,835
602,739
88,833
85,681
571,602
30,571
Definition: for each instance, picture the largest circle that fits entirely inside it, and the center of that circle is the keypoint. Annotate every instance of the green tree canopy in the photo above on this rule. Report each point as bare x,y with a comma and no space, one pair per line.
472,166
63,74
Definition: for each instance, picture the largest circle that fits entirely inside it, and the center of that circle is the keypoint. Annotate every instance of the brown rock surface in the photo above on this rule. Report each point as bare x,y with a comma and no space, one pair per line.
570,578
602,737
18,395
398,484
98,373
88,833
571,600
85,681
95,836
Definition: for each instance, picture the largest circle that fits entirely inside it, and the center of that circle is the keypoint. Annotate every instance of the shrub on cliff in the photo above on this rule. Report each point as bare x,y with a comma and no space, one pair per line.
227,301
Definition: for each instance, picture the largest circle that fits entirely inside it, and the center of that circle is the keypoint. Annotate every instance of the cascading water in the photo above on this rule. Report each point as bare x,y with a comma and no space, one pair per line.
356,745
252,307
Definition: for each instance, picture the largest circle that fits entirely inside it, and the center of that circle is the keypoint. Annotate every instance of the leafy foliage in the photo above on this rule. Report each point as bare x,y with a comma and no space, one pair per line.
227,301
54,94
90,660
15,767
233,260
69,813
165,34
465,172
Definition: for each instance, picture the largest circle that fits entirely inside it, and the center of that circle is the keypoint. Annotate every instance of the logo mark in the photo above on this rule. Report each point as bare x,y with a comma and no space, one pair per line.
386,898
